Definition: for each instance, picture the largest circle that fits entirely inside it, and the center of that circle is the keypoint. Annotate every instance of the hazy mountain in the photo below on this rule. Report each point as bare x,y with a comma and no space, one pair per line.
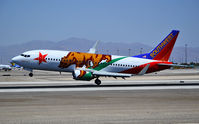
82,45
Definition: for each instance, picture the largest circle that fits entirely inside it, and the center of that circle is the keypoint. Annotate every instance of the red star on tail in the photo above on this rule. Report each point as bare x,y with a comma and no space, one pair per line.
41,58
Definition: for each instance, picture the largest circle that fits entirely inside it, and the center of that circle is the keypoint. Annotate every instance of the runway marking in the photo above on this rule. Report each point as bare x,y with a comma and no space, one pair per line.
99,89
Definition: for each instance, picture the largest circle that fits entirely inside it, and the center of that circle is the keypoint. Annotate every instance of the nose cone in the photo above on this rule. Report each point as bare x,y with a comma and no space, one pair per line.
16,59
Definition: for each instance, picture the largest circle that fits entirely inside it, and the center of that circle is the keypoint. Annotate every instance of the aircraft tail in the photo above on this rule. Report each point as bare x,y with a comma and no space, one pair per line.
163,50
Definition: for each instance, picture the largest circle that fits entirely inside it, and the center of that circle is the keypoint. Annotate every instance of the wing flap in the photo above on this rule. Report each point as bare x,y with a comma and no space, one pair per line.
111,74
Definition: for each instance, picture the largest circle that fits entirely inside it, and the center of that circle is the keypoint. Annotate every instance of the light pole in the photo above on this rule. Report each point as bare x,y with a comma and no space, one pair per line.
186,53
141,50
129,52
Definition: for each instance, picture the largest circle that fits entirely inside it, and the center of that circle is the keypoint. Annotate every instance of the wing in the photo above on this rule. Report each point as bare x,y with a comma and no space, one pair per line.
105,73
113,74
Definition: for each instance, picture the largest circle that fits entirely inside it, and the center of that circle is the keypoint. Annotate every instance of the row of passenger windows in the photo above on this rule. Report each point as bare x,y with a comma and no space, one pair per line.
53,59
124,65
121,65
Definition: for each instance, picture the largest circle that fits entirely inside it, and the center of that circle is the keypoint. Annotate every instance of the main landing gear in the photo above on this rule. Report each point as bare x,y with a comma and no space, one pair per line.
97,81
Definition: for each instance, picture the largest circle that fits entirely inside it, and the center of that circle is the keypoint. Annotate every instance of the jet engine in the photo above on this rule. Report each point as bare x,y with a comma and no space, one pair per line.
82,75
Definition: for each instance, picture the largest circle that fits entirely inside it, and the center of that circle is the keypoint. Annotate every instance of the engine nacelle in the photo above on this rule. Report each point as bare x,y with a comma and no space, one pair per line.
82,75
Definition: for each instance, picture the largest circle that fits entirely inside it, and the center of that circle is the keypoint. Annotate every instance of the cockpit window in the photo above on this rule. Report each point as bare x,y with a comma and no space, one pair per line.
25,55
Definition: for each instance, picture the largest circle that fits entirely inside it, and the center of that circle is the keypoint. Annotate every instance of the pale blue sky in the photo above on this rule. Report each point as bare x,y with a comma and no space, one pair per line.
144,21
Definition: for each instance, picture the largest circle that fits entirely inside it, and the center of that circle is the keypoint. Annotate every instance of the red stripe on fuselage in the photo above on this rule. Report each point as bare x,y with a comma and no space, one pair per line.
152,68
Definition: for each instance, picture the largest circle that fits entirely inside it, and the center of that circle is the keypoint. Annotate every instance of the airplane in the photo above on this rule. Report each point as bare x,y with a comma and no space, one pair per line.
5,67
88,66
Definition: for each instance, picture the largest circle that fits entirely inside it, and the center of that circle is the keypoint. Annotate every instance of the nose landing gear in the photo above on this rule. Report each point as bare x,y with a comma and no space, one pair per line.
30,74
97,81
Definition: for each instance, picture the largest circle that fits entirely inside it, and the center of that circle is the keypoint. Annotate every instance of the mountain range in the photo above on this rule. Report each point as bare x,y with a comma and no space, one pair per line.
83,45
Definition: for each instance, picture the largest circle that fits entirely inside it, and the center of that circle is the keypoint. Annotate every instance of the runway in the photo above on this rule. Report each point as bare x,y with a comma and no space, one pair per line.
49,98
100,107
110,87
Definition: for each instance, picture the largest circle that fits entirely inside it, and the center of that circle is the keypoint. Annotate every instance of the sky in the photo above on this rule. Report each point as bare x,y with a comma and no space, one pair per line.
143,21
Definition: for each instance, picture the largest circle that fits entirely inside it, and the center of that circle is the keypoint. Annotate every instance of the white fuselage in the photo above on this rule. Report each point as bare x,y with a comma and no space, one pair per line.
53,58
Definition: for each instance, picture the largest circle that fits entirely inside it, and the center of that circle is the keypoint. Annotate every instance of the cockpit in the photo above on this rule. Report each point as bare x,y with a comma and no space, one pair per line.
24,55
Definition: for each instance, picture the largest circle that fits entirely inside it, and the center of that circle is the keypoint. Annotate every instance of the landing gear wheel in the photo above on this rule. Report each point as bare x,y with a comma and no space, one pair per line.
97,81
30,74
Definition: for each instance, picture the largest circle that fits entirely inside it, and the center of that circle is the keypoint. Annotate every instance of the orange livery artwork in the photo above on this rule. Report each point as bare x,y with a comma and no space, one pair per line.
81,59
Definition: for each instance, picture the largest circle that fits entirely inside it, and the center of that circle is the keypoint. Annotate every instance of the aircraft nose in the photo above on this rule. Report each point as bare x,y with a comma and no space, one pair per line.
16,59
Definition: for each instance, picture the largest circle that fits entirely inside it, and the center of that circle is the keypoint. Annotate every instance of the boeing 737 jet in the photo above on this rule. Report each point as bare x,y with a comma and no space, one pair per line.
88,66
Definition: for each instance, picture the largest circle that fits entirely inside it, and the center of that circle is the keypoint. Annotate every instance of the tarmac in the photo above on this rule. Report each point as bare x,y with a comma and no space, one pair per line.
170,96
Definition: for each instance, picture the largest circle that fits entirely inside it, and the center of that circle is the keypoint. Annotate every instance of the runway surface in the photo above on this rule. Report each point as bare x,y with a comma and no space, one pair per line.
49,98
100,107
57,87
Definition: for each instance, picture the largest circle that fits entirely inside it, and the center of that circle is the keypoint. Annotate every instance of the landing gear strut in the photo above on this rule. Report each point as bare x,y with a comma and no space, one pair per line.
30,74
97,81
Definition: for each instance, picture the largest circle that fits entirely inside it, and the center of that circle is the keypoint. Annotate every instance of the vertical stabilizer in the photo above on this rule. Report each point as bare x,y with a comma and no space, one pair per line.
163,50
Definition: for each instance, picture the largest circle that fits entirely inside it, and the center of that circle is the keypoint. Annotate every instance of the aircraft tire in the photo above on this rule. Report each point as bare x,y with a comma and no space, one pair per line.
30,74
